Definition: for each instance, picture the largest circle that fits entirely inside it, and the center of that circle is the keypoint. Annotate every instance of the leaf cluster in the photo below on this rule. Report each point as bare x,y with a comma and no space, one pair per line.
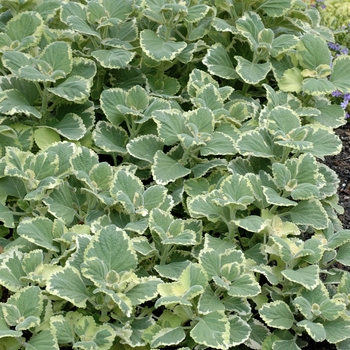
161,176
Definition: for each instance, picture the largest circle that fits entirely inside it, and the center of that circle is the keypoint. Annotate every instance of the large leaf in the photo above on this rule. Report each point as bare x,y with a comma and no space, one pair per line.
252,73
276,8
309,213
166,169
158,48
38,231
68,284
114,58
74,89
145,147
59,57
312,51
25,29
306,276
212,330
112,246
219,63
277,314
45,340
13,102
340,73
110,138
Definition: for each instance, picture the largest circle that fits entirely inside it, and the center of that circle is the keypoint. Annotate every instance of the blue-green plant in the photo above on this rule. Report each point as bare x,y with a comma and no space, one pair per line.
161,182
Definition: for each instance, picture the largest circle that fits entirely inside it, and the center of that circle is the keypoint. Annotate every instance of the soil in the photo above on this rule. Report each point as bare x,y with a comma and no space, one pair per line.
341,165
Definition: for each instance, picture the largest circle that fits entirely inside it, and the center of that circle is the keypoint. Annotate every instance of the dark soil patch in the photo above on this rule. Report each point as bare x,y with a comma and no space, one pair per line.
341,165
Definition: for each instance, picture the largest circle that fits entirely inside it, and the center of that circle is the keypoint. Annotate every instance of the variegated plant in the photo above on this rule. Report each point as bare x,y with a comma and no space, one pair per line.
161,176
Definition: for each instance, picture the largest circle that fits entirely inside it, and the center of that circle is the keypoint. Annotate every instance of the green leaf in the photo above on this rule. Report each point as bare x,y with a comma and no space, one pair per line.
45,340
244,286
6,216
250,25
60,203
282,119
38,231
145,147
340,73
110,98
308,276
170,123
212,330
110,138
239,331
276,8
324,141
309,213
44,137
219,63
167,337
312,51
337,330
75,89
25,30
62,329
113,58
145,290
252,223
291,81
204,206
277,314
252,73
59,57
112,246
158,48
235,189
317,87
209,302
257,143
11,271
283,43
127,188
315,330
166,169
13,102
68,284
70,127
218,144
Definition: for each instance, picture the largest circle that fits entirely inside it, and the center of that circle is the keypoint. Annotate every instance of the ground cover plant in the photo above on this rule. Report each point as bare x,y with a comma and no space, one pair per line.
161,183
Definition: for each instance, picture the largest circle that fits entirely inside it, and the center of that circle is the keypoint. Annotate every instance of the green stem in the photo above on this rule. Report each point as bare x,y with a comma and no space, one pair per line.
44,104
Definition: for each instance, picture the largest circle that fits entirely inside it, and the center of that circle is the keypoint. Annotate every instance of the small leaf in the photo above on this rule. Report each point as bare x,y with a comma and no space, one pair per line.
277,314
